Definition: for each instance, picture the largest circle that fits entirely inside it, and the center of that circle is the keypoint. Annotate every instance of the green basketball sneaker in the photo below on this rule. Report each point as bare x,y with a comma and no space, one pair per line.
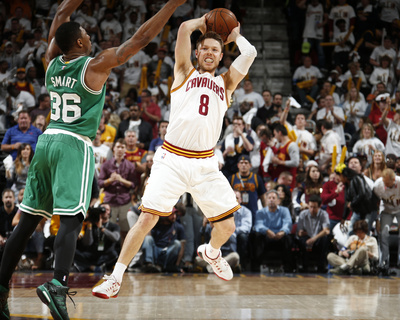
54,296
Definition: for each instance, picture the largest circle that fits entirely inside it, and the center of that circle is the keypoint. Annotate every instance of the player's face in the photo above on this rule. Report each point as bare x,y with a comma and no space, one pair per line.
209,54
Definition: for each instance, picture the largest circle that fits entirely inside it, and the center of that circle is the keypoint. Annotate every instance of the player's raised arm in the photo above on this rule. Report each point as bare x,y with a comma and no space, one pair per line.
63,14
183,64
99,68
240,67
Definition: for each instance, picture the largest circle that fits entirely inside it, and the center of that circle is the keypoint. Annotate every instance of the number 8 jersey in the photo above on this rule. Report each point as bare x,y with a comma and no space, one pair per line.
74,106
198,107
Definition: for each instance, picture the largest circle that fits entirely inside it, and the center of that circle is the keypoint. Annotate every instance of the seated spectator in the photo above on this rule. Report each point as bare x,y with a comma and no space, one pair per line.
96,250
43,108
265,112
157,142
285,199
24,131
341,11
235,145
19,172
110,27
164,247
117,177
7,212
143,129
285,178
18,100
312,186
243,222
313,231
287,155
306,79
368,144
166,69
356,76
384,49
345,44
101,152
357,254
40,122
135,155
253,98
249,184
107,132
272,229
21,83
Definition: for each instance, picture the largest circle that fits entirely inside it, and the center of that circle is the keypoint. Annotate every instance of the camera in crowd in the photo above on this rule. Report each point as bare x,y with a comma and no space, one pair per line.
93,214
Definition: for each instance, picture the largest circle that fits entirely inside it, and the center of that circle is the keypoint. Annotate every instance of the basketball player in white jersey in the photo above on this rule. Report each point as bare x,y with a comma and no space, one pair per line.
185,162
387,188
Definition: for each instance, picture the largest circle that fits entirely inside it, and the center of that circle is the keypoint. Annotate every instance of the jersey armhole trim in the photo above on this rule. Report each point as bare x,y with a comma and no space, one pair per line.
48,67
83,79
184,81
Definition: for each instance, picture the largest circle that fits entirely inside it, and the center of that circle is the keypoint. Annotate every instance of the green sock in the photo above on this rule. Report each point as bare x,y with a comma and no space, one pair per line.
56,282
3,289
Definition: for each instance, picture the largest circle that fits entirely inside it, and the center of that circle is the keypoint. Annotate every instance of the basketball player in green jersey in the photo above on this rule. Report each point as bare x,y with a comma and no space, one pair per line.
61,173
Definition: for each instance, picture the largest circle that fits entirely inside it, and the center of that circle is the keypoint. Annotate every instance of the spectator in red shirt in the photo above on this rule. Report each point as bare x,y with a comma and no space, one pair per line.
376,115
151,111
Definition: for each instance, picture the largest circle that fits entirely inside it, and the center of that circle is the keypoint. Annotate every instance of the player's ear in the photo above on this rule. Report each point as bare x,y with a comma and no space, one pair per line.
196,53
222,55
79,42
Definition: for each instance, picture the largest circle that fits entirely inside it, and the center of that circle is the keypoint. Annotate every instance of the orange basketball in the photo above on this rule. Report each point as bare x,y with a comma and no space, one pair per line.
221,21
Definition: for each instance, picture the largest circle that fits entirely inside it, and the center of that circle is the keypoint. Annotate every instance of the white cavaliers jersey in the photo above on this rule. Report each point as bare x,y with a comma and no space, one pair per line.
198,107
389,196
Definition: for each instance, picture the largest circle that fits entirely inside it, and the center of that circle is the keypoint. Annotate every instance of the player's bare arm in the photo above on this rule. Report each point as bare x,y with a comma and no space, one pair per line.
100,67
240,67
183,64
63,14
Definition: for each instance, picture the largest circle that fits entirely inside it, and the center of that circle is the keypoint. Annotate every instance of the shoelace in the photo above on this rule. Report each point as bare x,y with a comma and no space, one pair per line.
72,293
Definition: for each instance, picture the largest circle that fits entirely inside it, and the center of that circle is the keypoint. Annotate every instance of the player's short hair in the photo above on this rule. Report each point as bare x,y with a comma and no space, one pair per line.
67,34
281,128
210,35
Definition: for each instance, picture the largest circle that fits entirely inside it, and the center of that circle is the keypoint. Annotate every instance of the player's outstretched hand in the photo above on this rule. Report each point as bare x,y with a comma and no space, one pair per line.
234,34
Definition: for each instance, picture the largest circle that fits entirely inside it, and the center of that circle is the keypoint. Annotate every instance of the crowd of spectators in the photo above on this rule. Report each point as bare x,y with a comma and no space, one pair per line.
285,163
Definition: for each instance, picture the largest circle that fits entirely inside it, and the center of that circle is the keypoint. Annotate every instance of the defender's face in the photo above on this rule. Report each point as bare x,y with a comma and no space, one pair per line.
209,54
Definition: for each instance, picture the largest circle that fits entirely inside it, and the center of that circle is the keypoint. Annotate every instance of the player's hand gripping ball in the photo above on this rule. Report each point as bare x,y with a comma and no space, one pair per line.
221,21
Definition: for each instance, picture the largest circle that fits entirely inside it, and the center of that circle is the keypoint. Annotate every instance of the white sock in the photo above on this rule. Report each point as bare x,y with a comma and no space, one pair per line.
344,266
211,252
118,271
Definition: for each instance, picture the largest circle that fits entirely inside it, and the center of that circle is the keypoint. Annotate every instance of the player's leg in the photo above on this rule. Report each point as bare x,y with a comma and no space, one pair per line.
162,192
14,248
212,192
72,174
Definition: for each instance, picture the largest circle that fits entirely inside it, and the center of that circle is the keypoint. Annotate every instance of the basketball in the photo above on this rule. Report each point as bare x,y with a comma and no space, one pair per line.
221,21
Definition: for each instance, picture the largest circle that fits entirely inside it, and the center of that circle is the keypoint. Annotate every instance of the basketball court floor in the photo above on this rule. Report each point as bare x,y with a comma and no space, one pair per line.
203,296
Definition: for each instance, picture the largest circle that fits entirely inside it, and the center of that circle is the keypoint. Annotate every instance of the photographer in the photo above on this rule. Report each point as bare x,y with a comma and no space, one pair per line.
97,249
356,255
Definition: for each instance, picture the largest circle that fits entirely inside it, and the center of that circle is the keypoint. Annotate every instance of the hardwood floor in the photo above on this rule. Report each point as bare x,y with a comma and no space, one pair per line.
203,296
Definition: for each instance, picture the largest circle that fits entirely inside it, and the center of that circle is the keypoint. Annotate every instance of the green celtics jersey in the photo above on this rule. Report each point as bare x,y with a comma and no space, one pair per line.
74,106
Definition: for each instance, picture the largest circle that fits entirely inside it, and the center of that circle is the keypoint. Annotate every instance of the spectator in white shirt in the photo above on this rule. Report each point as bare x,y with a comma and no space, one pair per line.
368,144
335,115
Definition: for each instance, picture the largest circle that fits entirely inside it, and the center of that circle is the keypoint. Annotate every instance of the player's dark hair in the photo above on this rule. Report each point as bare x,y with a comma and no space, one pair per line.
281,128
210,35
67,34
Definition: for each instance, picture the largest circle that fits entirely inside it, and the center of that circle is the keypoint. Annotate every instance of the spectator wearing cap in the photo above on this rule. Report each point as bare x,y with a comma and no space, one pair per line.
110,27
10,55
234,145
272,227
22,84
249,184
287,155
376,115
23,132
307,72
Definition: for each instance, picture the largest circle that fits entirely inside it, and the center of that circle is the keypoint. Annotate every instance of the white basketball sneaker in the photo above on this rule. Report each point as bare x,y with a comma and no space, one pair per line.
108,289
219,265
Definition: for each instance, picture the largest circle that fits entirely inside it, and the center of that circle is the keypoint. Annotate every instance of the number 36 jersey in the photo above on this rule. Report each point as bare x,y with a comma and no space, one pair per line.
198,107
74,106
